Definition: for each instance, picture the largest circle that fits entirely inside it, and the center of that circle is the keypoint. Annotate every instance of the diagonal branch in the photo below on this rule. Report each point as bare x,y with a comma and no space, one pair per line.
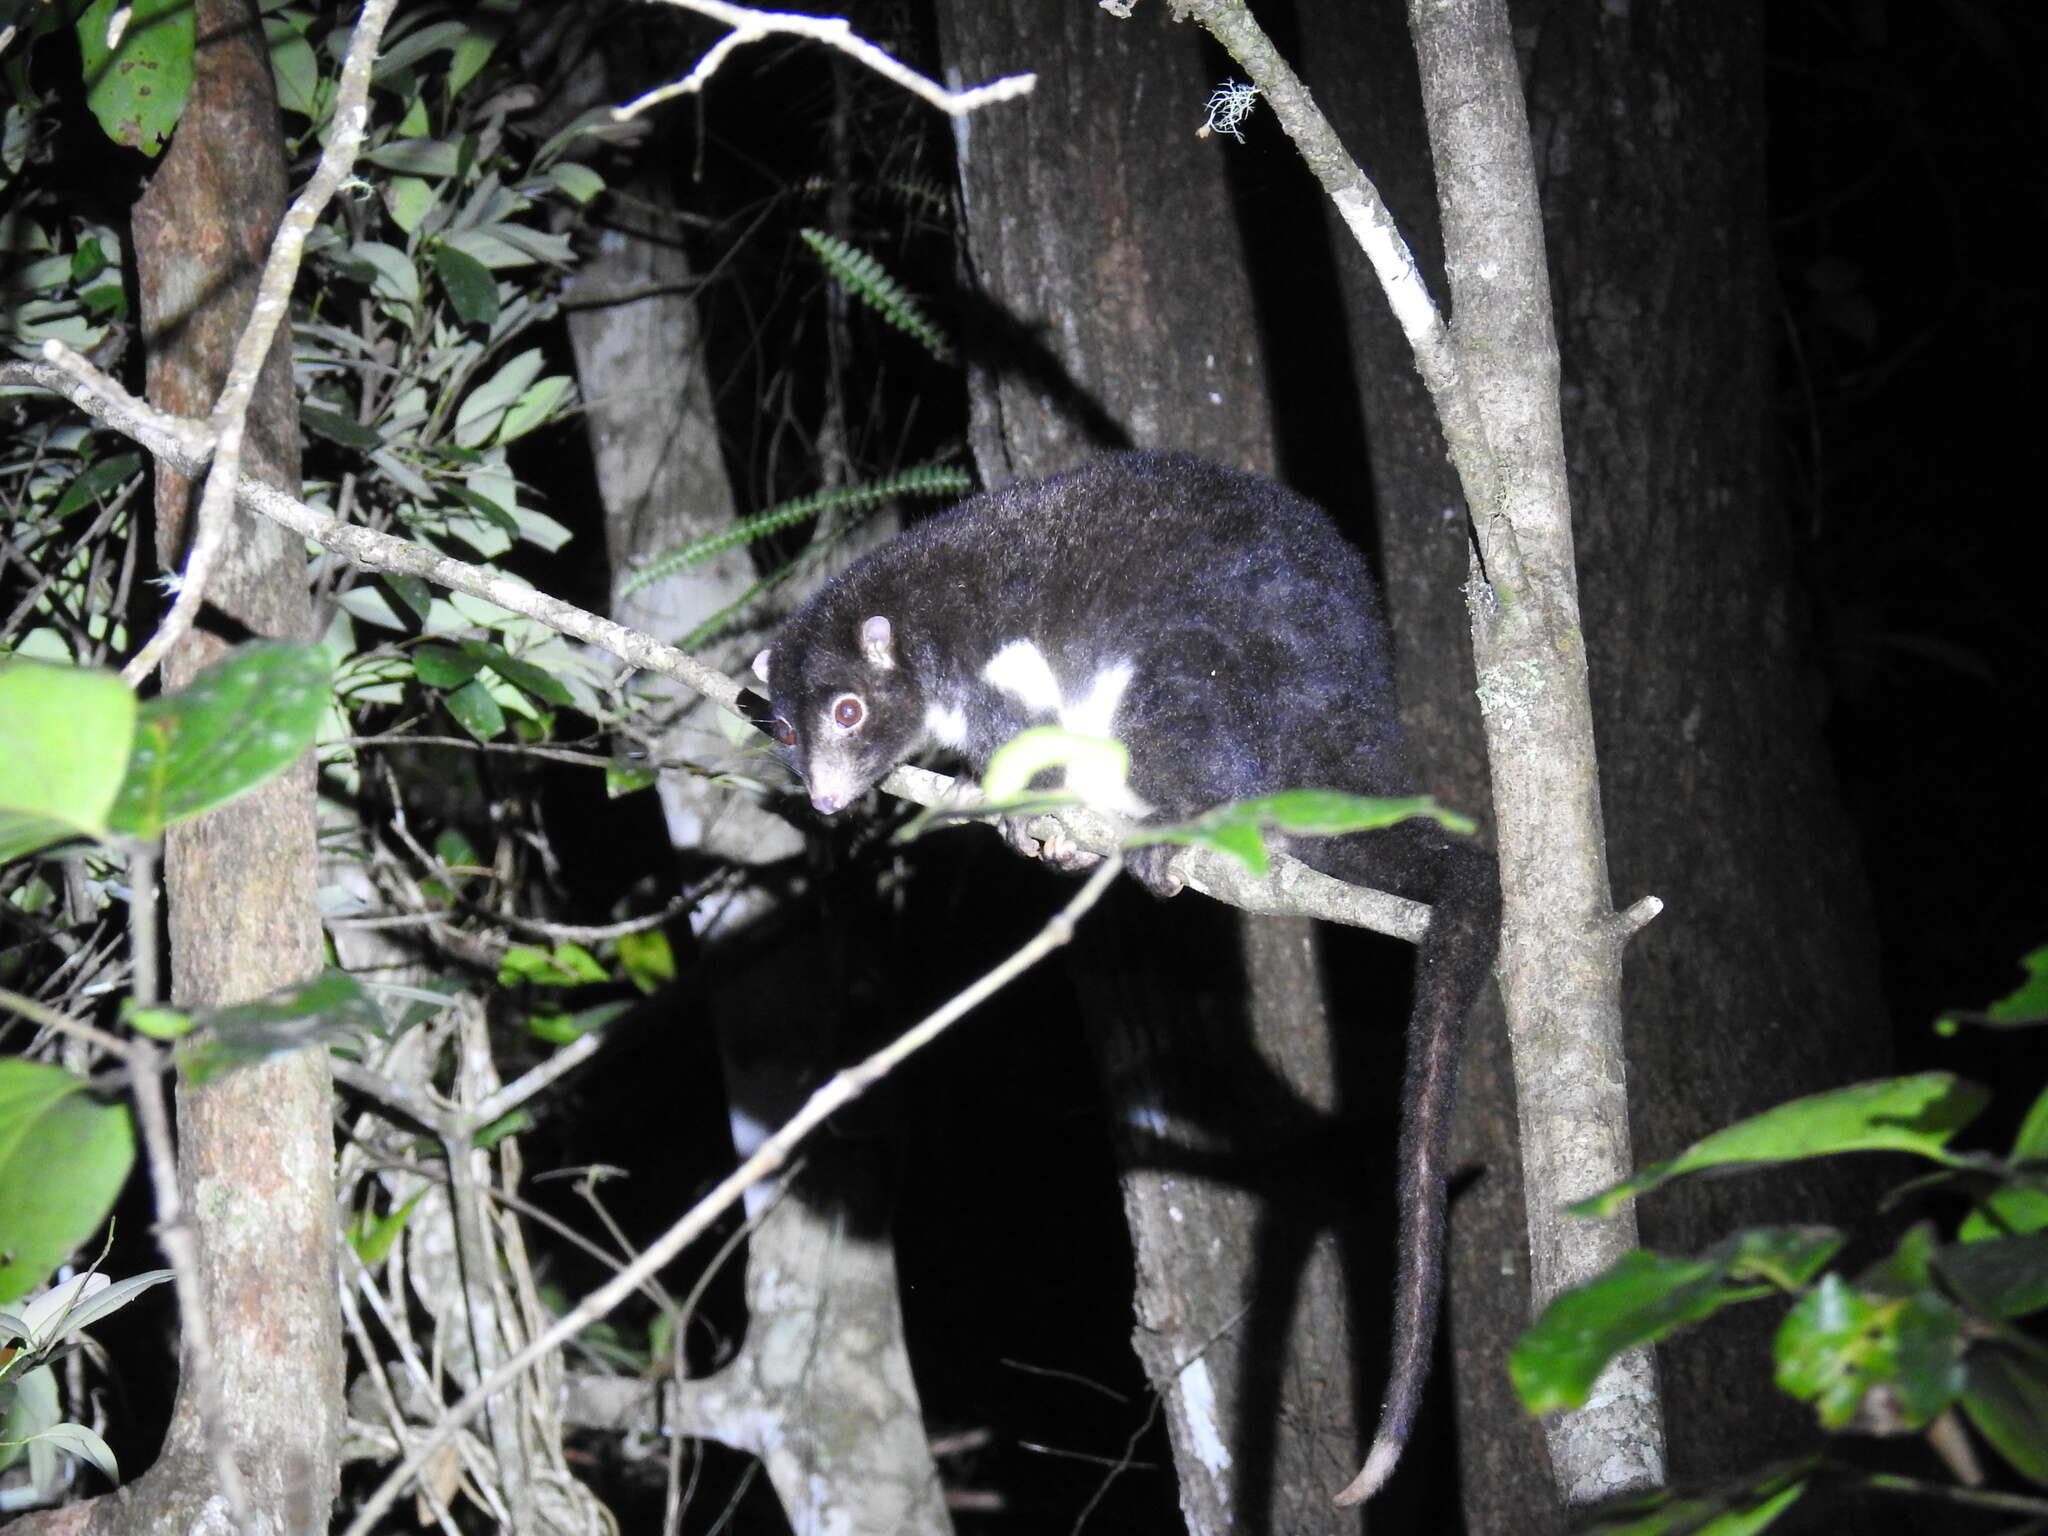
1289,887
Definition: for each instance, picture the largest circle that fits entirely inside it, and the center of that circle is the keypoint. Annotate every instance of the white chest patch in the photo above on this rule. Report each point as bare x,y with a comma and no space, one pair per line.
1021,670
1094,712
947,723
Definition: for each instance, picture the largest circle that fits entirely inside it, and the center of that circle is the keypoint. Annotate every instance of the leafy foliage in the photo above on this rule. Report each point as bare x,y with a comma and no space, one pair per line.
63,1157
925,480
138,67
48,1326
867,280
240,721
1927,1330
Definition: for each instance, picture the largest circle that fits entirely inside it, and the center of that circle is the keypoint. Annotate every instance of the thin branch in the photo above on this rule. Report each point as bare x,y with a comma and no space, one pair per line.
1372,225
43,1016
230,413
751,26
1290,887
840,1091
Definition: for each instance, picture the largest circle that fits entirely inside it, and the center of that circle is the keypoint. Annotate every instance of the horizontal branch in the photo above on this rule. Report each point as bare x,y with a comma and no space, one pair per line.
1289,888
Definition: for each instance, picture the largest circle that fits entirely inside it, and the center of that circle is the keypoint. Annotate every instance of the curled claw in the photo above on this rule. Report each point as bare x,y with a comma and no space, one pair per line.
1158,867
1054,848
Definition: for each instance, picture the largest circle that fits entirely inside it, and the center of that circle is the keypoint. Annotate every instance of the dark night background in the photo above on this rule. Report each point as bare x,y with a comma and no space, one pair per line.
1907,155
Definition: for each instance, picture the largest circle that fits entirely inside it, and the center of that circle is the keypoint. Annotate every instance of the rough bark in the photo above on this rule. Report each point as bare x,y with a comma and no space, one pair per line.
1128,320
255,1147
1361,64
1717,794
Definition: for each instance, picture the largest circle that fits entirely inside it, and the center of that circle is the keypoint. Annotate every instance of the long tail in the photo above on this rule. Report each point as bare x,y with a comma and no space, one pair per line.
1455,956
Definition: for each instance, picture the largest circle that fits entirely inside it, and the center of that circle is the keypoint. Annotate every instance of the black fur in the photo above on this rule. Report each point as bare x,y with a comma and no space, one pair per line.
1257,662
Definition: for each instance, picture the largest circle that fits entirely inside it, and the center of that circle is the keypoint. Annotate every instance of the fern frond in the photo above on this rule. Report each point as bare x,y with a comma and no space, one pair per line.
862,276
924,480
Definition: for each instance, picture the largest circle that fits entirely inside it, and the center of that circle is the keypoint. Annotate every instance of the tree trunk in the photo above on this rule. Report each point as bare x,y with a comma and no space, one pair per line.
1127,320
255,1149
1757,982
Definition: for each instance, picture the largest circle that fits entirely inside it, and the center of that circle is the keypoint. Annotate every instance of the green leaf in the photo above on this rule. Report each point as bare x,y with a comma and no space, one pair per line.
927,480
161,1023
294,67
538,405
97,480
2032,1141
77,1440
484,408
1899,1114
417,157
325,421
68,732
32,1409
2022,1008
862,276
442,666
2008,1276
2006,1397
416,594
472,291
648,959
372,1237
239,722
137,89
1240,829
402,52
87,263
90,1304
385,270
523,675
626,778
562,1028
409,200
1839,1344
2016,1208
63,1158
567,965
576,180
469,55
513,1124
2019,1207
1647,1296
484,506
332,1007
1738,1508
476,711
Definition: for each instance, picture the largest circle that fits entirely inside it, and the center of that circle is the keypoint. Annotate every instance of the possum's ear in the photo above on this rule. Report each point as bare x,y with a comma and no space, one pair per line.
877,643
761,665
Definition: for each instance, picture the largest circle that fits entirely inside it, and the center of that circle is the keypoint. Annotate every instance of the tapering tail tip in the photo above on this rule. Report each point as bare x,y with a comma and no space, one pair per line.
1379,1466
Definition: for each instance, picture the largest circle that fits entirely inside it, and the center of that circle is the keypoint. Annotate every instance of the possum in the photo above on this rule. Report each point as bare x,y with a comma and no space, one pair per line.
1222,629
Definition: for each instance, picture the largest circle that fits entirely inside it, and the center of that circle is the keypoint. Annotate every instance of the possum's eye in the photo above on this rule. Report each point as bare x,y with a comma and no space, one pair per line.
785,732
848,711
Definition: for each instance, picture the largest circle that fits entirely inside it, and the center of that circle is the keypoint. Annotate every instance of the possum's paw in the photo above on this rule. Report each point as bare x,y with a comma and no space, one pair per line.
1157,867
1059,850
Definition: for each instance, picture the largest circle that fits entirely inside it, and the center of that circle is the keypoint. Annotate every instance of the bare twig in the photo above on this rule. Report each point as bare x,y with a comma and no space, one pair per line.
1365,214
750,26
43,1016
841,1090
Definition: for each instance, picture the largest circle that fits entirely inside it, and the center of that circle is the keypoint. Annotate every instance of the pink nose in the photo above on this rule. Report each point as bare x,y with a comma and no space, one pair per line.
826,804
